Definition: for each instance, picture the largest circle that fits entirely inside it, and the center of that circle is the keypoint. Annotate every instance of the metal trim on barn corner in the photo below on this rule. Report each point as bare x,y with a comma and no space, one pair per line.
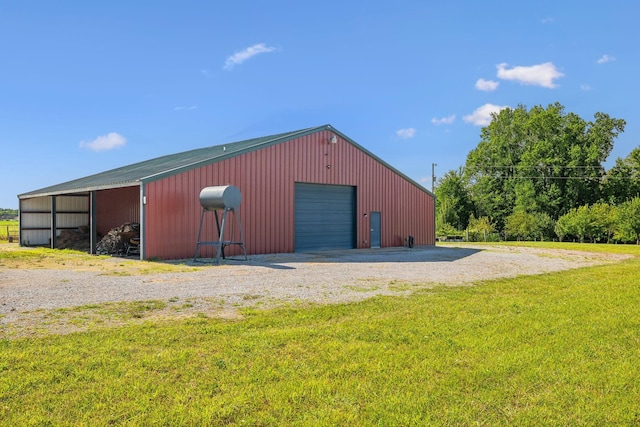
143,221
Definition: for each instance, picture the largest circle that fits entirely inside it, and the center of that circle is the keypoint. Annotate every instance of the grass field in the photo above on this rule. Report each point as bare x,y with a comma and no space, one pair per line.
8,228
554,349
16,257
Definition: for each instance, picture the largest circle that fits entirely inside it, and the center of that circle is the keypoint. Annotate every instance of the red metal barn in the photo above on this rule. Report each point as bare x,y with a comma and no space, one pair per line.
306,190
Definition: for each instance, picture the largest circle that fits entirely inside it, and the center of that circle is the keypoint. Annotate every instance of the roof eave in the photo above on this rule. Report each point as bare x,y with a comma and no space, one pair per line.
88,189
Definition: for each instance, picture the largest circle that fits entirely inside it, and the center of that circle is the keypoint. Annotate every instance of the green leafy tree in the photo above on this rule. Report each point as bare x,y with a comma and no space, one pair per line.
446,229
578,222
622,182
605,219
453,200
479,228
583,223
8,213
629,220
540,160
520,224
490,166
562,227
595,222
543,226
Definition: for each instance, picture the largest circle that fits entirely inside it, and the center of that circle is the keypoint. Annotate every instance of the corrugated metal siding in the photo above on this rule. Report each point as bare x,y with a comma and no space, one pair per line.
35,213
35,217
35,204
266,179
115,207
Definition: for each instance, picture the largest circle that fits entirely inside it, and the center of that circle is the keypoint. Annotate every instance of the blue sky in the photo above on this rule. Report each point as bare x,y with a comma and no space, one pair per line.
90,86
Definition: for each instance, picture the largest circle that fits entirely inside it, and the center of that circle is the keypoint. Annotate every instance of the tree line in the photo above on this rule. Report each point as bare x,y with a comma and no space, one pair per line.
538,174
8,213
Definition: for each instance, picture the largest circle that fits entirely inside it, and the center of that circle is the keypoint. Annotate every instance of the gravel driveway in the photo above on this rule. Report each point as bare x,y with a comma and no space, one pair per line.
268,280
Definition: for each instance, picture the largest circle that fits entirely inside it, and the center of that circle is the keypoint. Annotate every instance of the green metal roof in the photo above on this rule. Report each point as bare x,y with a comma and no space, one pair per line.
150,170
161,167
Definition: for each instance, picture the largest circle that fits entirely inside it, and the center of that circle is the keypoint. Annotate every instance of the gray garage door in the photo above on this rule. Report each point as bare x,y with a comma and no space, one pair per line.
324,217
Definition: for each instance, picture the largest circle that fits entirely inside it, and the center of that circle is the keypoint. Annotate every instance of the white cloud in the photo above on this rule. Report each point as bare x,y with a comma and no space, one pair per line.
444,120
606,58
482,115
105,142
585,87
243,55
549,20
487,85
537,75
182,107
406,133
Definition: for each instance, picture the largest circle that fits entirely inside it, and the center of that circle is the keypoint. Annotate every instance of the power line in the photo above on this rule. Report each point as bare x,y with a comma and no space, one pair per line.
550,177
598,178
546,172
600,168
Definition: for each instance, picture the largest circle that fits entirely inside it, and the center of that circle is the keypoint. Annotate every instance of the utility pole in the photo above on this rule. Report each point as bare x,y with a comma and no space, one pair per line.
433,176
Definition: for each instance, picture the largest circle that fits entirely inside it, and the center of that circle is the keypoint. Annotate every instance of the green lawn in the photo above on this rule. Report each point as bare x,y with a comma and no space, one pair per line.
556,349
583,247
8,226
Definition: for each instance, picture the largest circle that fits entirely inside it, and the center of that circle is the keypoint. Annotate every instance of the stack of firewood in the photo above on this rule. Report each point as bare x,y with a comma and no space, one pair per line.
116,240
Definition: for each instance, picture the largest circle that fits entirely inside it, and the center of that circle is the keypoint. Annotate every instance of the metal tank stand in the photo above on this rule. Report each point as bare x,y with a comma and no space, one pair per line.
220,244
